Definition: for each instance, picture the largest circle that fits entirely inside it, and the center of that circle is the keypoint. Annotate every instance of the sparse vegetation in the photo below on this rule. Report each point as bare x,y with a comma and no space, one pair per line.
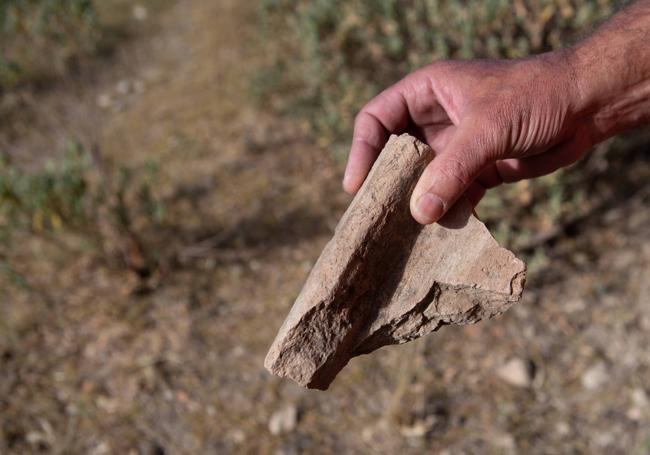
42,39
42,36
332,56
98,202
327,58
226,206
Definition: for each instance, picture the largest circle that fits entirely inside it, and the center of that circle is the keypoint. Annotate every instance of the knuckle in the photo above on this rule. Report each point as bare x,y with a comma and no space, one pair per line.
455,169
360,118
366,130
443,66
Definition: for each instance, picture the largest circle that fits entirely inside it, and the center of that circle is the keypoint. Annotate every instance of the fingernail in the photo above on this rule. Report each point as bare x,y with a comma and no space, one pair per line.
429,207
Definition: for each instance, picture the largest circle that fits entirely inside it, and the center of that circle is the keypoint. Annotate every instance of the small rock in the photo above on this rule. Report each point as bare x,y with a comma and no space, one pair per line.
283,420
595,377
575,305
516,372
286,450
604,438
104,101
640,403
123,87
505,442
140,13
36,437
238,436
238,351
645,322
640,398
368,434
634,413
352,304
419,428
562,428
100,449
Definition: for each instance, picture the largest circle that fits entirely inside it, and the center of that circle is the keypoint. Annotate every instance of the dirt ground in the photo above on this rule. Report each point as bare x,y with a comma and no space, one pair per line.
89,366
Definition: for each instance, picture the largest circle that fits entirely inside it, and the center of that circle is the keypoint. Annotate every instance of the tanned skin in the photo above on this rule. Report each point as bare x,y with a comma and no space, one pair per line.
501,121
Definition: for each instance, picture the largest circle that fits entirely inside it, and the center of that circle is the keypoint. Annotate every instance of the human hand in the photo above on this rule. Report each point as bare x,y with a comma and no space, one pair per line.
489,122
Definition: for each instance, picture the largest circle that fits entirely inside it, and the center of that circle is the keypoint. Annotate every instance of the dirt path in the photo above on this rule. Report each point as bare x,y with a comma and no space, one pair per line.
251,201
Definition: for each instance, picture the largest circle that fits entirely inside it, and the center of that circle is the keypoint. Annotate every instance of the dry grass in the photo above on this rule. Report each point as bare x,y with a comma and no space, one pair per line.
95,362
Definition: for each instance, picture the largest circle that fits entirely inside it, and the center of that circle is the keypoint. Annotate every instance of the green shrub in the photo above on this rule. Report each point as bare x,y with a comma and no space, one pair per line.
40,35
47,199
328,57
101,204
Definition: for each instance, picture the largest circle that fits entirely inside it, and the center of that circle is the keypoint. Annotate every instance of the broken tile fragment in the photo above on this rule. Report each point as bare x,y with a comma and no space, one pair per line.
384,279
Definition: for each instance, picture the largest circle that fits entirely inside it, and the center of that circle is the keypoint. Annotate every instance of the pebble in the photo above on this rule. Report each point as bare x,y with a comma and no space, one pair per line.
604,438
123,87
562,428
576,305
238,436
640,402
516,372
286,450
505,443
634,414
104,101
100,449
283,420
595,377
140,13
419,428
640,397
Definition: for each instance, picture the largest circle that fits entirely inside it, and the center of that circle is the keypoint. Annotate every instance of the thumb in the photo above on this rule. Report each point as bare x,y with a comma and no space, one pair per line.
450,173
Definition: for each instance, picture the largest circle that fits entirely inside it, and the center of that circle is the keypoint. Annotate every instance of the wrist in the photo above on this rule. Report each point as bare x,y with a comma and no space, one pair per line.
612,75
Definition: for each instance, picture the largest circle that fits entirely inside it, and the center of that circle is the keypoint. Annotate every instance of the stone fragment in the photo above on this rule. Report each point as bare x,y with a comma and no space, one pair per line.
384,279
140,13
283,420
516,372
104,100
640,404
640,397
595,377
123,87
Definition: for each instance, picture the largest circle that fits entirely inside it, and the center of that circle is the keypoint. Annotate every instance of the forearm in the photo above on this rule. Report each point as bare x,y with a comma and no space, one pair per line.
612,72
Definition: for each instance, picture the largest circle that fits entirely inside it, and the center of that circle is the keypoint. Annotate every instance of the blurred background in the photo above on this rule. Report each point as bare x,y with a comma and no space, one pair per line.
169,173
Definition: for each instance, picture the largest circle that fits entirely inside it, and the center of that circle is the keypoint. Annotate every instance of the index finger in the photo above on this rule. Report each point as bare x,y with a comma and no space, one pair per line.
385,114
